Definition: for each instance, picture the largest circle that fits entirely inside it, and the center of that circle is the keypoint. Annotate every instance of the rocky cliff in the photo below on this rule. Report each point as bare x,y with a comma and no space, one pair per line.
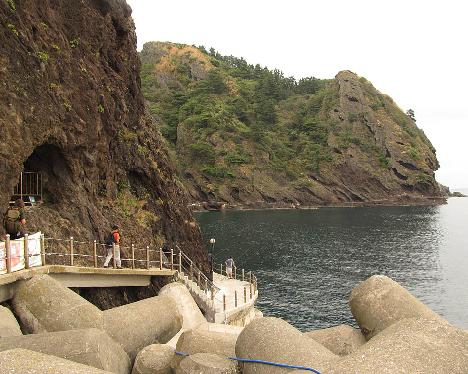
248,136
71,107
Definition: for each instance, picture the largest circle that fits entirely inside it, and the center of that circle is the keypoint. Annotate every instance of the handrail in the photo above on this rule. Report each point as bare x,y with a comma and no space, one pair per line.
56,251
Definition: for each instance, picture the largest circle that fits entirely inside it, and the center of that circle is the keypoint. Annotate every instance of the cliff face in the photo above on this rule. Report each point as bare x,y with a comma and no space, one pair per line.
71,107
249,136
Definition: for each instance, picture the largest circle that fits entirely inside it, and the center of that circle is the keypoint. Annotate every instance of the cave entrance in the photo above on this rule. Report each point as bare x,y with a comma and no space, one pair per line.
29,187
46,175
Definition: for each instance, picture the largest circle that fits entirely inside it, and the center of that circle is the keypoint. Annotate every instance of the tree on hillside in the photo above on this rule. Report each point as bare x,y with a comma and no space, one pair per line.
410,114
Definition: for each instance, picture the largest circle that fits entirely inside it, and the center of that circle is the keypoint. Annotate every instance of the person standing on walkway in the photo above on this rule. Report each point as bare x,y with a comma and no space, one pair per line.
113,243
14,220
229,265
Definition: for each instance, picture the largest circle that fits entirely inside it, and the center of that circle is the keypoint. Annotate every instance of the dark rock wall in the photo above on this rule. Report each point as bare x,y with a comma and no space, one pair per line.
71,107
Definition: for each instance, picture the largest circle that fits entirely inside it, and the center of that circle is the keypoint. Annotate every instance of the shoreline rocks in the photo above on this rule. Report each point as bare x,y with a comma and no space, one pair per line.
23,361
379,301
9,326
341,340
45,305
90,347
272,339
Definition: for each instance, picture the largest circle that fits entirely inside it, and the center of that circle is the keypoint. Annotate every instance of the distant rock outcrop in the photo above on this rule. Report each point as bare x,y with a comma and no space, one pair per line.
248,136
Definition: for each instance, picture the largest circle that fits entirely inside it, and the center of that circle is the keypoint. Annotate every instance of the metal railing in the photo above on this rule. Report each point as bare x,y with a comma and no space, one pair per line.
91,254
30,184
243,276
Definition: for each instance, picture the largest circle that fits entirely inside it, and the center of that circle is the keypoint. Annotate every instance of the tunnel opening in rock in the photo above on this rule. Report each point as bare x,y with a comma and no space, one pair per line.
48,161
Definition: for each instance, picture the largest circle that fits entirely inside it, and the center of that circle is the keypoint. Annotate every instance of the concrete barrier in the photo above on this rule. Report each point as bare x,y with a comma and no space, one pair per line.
90,347
154,359
414,346
8,324
186,305
145,322
341,340
378,302
273,339
23,361
204,341
206,363
42,304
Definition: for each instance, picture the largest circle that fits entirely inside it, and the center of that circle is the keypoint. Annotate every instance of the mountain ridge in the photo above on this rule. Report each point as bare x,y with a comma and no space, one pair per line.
247,136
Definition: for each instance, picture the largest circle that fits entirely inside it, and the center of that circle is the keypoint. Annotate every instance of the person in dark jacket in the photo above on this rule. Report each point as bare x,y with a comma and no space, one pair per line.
113,241
14,220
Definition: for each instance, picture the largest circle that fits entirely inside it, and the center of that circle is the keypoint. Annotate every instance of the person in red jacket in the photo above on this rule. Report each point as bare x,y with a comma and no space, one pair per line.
113,241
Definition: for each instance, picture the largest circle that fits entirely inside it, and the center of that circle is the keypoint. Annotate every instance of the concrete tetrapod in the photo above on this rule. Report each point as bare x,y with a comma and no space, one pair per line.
186,305
44,305
416,346
272,339
90,347
8,324
23,361
204,341
341,340
154,359
206,363
145,322
379,302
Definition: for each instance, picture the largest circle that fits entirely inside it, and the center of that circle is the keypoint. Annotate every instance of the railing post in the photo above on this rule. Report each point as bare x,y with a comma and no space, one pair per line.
71,250
133,256
245,294
206,284
191,271
235,299
180,261
160,259
198,278
43,257
212,295
224,302
250,277
95,253
250,289
235,272
221,269
8,253
114,263
147,257
26,251
172,259
243,275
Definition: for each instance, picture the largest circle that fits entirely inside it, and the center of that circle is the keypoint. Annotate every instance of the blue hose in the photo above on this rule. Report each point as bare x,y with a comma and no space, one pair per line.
247,360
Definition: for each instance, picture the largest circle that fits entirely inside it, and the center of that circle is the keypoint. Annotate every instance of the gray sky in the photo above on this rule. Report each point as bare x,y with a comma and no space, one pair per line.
414,51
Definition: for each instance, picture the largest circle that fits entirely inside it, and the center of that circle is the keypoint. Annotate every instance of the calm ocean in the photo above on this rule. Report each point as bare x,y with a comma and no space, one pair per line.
308,261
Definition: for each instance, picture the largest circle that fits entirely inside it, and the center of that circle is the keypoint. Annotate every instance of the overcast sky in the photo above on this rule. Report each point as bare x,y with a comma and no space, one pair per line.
414,51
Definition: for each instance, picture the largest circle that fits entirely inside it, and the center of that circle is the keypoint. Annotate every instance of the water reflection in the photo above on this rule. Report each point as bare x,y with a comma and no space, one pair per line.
308,261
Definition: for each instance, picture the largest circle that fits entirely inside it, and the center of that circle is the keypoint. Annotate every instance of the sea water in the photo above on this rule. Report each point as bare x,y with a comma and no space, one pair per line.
308,261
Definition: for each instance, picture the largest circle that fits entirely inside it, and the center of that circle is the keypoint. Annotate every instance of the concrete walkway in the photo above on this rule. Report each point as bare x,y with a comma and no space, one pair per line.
229,311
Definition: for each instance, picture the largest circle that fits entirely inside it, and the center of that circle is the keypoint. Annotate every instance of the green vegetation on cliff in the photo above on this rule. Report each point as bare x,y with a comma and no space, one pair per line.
240,129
